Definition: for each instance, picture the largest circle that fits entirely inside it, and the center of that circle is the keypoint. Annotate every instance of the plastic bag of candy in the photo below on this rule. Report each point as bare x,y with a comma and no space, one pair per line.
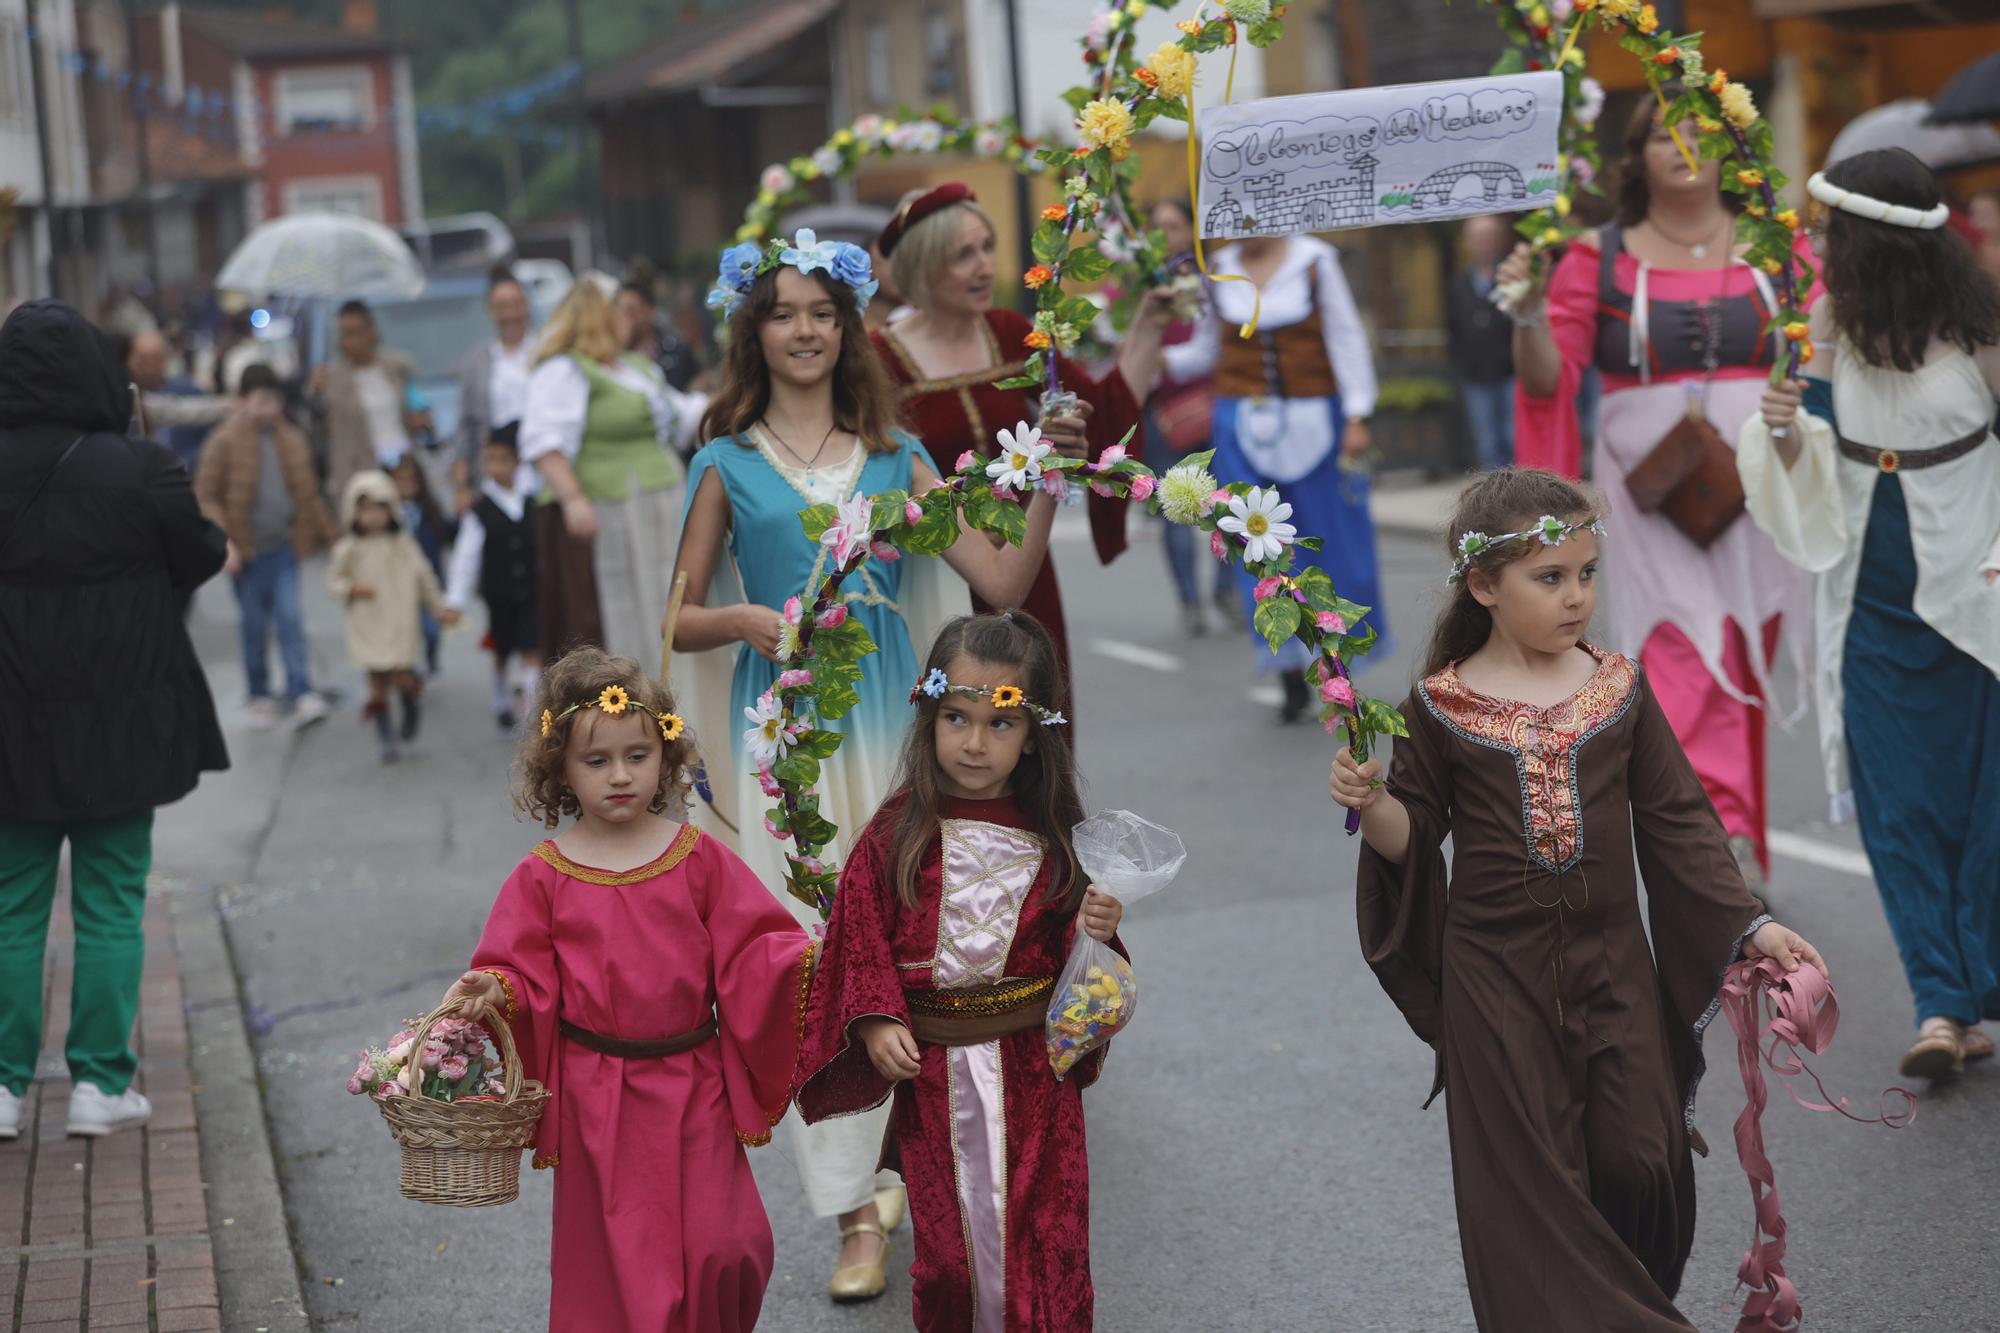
1096,994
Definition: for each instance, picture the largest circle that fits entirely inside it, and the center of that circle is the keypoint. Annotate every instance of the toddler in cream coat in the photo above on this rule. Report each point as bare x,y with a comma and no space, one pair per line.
382,576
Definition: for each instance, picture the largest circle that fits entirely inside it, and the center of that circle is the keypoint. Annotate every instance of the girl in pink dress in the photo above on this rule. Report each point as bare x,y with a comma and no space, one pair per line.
655,987
954,916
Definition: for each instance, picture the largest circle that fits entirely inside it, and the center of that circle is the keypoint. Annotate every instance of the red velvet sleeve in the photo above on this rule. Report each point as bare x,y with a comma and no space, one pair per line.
1114,413
763,965
856,979
518,946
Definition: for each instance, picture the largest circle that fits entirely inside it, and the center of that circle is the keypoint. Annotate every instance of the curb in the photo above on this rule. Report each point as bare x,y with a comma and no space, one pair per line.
256,1271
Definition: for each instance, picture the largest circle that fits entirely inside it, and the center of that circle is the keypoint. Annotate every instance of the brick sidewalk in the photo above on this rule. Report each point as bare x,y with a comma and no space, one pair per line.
112,1232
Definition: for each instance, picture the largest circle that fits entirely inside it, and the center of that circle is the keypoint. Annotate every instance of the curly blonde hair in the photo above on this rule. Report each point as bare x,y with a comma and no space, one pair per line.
580,675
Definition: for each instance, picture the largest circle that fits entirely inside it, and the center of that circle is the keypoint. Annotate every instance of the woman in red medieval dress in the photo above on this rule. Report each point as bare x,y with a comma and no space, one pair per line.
946,358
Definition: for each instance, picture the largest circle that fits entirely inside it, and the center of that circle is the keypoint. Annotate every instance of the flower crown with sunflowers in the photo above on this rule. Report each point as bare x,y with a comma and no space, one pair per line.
612,701
936,685
743,264
1552,532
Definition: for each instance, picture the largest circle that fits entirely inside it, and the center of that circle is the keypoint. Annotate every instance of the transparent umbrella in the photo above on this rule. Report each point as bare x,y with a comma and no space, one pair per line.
1901,124
322,255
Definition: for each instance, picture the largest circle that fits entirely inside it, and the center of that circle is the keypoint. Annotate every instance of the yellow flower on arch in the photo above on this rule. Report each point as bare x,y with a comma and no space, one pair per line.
1008,696
614,700
671,726
1106,123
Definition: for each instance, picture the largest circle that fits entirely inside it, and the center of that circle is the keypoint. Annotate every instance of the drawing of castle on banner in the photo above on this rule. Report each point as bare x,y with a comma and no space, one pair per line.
1324,204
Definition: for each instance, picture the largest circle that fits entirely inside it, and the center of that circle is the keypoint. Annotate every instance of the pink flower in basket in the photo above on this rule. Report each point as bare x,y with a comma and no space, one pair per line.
455,1067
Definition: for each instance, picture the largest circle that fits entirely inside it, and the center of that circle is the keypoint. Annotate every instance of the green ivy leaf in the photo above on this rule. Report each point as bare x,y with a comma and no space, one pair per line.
798,769
1086,263
1277,619
1050,243
816,520
1078,312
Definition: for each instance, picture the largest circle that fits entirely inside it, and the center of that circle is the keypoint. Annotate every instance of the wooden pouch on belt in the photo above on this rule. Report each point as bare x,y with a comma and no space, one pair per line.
1690,477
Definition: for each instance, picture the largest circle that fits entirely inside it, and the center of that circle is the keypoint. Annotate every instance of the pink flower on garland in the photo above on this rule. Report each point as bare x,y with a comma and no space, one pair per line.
1220,497
795,611
769,783
1218,547
966,460
1110,458
1103,489
1268,587
1142,486
913,512
1331,622
1005,493
792,680
1337,690
884,552
1055,483
853,525
774,830
833,617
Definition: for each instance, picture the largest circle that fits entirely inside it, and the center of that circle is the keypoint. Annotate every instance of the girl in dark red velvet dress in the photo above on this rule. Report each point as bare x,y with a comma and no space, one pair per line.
947,356
954,916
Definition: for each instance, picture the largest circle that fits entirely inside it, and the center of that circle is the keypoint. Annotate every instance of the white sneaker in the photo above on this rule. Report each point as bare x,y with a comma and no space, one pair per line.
309,708
92,1114
10,1115
262,713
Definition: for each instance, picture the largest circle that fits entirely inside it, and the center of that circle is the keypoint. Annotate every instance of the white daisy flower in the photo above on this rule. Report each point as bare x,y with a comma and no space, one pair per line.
1019,465
766,739
1259,519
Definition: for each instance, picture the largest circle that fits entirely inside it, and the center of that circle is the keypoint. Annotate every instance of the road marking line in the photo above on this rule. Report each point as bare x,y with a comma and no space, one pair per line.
1795,848
1133,654
1268,695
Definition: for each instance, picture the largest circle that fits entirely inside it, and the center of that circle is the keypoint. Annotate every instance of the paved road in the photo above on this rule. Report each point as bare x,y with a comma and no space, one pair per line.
1259,1160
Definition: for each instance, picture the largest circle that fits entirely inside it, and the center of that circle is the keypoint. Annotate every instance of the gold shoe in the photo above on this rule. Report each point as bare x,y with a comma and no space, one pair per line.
891,1206
1939,1051
861,1282
1975,1045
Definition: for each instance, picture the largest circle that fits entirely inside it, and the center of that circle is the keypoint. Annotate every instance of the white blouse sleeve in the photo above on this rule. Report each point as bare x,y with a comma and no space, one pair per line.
686,409
1800,506
463,572
558,402
1195,359
1346,339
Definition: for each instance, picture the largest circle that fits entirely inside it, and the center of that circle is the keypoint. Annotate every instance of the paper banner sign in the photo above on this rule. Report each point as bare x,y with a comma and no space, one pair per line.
1416,152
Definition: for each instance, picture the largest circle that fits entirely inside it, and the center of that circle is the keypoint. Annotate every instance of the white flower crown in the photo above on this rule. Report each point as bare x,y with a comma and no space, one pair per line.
1552,531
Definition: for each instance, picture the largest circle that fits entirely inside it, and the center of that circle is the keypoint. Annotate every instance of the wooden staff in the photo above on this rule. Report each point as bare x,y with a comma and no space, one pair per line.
702,788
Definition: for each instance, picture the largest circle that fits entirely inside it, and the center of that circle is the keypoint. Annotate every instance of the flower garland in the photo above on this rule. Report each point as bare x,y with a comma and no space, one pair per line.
823,646
1730,130
1097,174
782,185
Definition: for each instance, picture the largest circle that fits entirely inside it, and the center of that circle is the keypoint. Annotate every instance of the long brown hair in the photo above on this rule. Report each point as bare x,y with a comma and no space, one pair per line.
1896,288
863,402
1630,191
1045,782
1510,499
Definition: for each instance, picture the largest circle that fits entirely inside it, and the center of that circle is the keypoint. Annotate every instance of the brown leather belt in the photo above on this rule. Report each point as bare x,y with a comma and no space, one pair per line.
976,1014
626,1049
1901,460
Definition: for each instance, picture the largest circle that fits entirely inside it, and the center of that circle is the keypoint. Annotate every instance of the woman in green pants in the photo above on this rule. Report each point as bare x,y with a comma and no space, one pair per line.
104,713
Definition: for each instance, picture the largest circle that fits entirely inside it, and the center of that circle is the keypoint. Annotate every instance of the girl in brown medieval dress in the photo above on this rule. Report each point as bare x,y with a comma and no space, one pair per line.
1570,1051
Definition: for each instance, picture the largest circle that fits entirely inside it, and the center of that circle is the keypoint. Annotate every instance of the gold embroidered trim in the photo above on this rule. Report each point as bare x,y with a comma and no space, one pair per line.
999,998
678,851
971,379
507,986
554,1159
808,963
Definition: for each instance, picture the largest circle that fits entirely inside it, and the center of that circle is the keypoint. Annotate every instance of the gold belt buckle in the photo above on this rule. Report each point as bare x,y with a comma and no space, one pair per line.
1889,460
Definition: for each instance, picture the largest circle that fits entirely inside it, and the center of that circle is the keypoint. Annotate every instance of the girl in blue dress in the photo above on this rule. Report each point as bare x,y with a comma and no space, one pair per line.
805,416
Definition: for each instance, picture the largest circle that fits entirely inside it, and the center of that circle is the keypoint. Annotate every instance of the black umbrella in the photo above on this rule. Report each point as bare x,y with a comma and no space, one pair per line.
1972,94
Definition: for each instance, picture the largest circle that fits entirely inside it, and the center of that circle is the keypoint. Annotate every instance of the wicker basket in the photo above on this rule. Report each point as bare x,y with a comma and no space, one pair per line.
465,1154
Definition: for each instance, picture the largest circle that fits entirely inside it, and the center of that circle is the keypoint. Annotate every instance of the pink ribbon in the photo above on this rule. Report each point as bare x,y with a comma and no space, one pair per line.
1796,1009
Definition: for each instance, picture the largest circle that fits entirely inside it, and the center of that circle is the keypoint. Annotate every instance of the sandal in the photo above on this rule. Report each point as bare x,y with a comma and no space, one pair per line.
1939,1051
861,1282
1975,1045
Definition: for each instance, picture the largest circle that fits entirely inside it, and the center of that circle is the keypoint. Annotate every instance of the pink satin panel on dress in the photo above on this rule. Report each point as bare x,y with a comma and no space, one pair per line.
988,871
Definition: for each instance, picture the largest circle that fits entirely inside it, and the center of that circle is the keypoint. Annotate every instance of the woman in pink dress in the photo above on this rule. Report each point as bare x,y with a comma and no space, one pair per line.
1661,303
655,988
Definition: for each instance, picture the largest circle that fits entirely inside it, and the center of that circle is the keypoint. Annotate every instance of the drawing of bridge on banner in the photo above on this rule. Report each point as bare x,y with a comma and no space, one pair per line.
1327,204
1499,183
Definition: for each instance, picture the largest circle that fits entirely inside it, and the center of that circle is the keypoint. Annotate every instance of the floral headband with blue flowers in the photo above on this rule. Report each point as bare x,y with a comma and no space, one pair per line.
743,264
1552,531
936,685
